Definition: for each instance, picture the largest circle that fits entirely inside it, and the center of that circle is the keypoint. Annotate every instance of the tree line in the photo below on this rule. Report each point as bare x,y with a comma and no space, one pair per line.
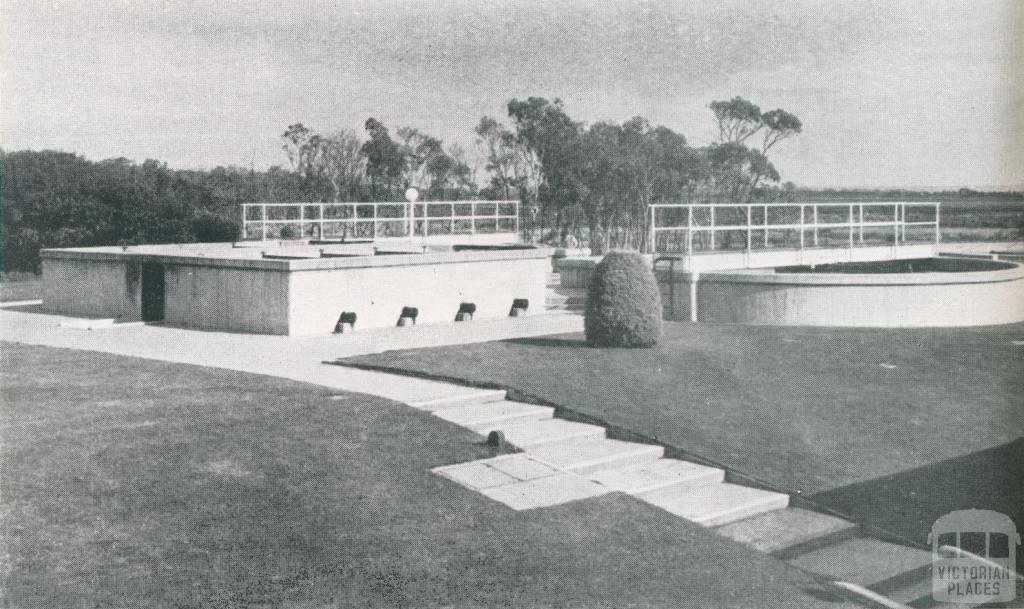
596,181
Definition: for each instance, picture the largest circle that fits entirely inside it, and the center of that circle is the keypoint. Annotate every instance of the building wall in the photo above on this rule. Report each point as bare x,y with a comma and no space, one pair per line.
378,293
98,289
226,298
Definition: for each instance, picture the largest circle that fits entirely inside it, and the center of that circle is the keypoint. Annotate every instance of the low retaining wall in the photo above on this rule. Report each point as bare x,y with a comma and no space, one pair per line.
207,290
851,300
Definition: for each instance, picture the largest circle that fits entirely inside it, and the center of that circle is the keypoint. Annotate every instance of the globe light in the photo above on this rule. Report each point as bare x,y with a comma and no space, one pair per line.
411,195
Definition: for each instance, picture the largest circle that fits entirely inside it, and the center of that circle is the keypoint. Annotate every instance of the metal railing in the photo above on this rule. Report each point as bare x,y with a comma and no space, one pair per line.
263,221
695,228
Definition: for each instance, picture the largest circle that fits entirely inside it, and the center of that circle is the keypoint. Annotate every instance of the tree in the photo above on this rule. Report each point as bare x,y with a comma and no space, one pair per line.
555,140
385,161
738,119
779,125
339,159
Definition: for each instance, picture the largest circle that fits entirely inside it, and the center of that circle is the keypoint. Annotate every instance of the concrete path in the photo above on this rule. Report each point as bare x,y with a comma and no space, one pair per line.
296,358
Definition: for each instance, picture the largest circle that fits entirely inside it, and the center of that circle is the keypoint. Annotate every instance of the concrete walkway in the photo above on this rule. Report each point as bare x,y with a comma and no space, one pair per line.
295,358
298,359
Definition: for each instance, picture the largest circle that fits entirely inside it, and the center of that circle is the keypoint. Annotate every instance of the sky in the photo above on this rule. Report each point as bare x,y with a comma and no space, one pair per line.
892,93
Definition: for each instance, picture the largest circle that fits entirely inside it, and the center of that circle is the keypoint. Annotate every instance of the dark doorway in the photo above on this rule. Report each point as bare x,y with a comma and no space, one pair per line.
152,292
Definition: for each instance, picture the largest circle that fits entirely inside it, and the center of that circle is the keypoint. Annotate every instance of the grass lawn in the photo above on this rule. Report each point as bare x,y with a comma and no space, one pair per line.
134,483
28,289
807,409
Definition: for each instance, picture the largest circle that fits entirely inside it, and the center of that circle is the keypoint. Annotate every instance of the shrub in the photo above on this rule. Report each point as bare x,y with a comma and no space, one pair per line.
623,303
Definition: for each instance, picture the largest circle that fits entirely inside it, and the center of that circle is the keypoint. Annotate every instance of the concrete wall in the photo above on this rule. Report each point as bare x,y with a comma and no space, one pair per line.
226,298
292,296
378,293
895,300
99,289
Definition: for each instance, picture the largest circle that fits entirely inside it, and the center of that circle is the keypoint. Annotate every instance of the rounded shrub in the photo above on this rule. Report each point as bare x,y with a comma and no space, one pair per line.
623,303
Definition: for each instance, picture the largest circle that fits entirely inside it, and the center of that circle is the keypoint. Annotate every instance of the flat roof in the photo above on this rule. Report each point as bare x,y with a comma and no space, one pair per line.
274,256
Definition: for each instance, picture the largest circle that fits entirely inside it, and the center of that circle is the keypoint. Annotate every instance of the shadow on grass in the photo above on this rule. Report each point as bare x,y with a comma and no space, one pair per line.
547,341
909,502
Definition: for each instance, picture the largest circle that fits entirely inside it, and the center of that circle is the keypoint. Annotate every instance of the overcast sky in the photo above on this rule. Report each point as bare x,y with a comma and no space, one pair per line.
917,93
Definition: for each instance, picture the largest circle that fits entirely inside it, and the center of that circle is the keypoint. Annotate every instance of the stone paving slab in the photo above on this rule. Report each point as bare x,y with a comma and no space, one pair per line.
595,454
475,475
716,504
529,434
493,412
657,474
523,466
863,560
544,492
781,529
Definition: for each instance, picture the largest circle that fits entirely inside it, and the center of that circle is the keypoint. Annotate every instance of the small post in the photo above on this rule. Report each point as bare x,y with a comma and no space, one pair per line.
938,233
896,225
263,216
750,230
851,226
802,226
322,221
814,210
652,235
766,225
712,227
861,223
689,230
451,223
302,221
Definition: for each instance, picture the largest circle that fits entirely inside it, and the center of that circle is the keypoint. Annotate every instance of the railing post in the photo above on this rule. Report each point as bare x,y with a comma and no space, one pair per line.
896,225
689,230
263,216
766,225
712,228
472,216
860,223
451,217
851,226
814,210
652,235
374,230
750,229
802,227
321,221
938,232
302,221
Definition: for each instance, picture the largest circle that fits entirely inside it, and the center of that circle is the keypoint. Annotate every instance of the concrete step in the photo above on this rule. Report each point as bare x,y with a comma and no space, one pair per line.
917,592
533,434
789,532
469,398
715,504
587,457
658,474
875,564
494,412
